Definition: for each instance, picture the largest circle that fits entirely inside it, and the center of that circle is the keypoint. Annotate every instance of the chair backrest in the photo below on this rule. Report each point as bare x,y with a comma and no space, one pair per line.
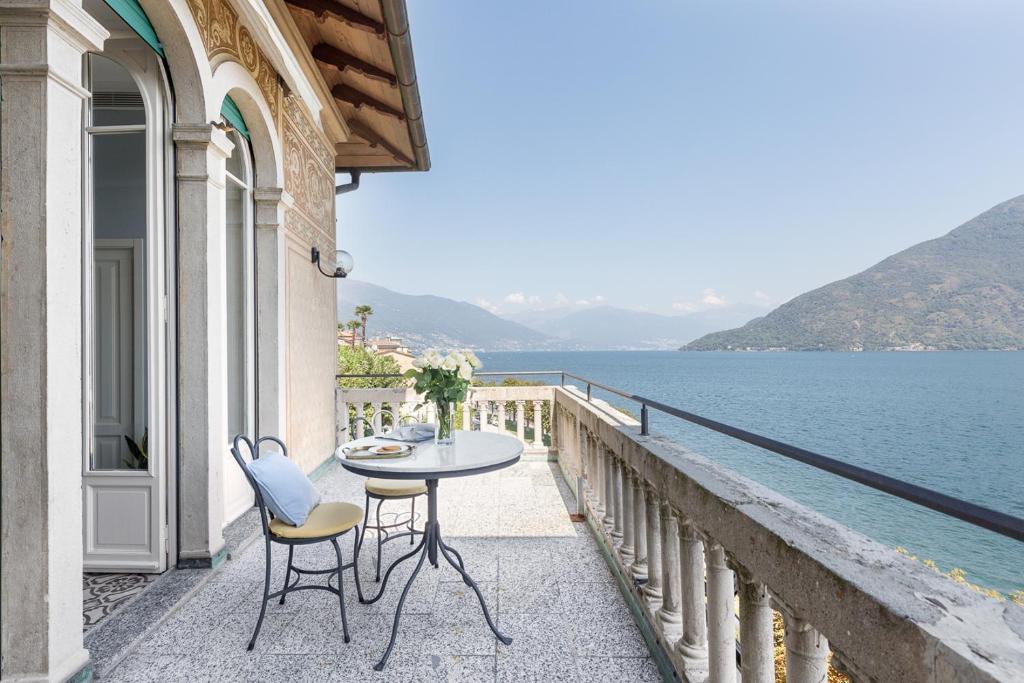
253,453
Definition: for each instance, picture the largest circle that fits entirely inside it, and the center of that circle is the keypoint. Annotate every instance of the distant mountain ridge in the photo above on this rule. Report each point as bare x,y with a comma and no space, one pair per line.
964,290
611,328
425,321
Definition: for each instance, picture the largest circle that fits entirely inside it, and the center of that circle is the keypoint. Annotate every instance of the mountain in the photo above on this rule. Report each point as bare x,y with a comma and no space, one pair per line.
607,327
427,321
964,290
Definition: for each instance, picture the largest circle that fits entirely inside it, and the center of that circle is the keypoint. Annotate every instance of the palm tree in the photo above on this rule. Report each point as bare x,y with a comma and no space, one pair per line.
363,312
353,325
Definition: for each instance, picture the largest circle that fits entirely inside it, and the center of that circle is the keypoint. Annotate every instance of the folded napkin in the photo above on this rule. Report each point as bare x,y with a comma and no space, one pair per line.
412,433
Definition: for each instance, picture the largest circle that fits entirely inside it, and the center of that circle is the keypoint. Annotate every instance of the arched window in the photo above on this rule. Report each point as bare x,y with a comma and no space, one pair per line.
238,224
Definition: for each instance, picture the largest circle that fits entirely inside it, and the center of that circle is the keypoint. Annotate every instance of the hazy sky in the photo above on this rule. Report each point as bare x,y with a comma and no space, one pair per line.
681,155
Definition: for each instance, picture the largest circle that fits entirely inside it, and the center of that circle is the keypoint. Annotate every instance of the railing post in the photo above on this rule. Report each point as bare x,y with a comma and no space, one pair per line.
431,414
757,647
481,408
627,550
617,501
721,616
360,424
521,420
588,392
538,424
639,567
693,646
502,417
644,425
652,589
608,476
467,418
670,614
555,438
806,652
378,423
341,434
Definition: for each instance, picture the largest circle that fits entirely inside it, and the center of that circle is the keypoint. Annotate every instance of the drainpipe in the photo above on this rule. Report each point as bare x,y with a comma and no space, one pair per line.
350,186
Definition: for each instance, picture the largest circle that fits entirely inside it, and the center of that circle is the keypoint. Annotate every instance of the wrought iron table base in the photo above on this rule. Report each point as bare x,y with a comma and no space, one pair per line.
427,550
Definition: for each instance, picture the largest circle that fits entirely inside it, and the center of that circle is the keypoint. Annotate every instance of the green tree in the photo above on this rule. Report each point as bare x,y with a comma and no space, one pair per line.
360,361
353,325
363,312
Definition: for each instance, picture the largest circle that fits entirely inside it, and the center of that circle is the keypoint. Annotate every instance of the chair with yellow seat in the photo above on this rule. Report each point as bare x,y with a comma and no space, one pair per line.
382,490
325,524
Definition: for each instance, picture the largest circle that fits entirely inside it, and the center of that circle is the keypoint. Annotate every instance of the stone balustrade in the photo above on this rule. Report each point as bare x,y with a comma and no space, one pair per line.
517,411
709,558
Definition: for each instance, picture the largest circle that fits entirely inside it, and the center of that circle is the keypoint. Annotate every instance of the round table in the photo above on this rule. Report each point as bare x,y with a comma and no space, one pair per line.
472,453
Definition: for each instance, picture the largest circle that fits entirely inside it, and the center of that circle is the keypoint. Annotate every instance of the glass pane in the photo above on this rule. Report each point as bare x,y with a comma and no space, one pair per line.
236,318
116,100
119,302
235,163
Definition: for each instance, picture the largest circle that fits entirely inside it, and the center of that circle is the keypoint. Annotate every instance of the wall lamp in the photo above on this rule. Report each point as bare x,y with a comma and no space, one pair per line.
343,263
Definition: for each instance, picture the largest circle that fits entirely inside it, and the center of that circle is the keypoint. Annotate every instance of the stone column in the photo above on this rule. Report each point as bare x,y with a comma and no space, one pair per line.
617,515
806,652
270,256
757,647
377,419
521,420
721,616
360,425
693,646
608,476
652,589
639,567
41,331
538,424
502,417
481,408
467,421
670,614
202,342
628,548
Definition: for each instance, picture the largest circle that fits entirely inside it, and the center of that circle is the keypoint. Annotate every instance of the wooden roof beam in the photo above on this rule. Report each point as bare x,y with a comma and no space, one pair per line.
358,99
374,139
341,60
350,16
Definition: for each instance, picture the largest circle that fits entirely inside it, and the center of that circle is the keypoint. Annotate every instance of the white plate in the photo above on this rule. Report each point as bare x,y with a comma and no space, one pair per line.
380,450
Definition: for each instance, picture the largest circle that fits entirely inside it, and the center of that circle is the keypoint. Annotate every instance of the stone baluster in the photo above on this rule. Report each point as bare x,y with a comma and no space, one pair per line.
377,418
521,420
467,419
608,476
555,438
639,567
693,645
341,425
628,548
481,408
652,589
538,424
618,517
806,652
757,647
360,425
502,417
721,610
670,614
431,414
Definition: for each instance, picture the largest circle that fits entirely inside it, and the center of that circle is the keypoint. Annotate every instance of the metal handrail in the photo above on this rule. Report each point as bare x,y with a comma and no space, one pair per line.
978,515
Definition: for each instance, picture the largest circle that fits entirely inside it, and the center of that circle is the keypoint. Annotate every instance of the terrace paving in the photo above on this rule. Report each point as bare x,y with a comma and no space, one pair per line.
544,578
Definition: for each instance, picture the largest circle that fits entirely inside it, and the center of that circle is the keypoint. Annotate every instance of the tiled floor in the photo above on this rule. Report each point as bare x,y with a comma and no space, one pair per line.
543,577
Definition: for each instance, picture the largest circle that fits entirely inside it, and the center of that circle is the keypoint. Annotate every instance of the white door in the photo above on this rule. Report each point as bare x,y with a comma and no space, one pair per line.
125,464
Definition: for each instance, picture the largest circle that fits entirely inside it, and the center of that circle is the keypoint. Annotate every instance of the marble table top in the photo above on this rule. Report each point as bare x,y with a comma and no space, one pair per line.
472,453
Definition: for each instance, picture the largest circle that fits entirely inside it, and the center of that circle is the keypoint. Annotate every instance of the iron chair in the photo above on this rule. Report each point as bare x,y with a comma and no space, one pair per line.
326,522
381,490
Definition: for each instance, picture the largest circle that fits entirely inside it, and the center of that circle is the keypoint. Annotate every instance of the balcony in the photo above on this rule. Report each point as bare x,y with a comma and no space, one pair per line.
673,566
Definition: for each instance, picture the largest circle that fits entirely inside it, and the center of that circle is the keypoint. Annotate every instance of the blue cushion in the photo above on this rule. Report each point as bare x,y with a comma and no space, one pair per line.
288,492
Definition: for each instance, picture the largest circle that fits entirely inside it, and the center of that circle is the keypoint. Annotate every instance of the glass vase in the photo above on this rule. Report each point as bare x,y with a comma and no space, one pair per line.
444,434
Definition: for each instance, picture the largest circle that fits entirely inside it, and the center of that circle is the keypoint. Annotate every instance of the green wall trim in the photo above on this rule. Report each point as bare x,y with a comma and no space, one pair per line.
133,14
233,114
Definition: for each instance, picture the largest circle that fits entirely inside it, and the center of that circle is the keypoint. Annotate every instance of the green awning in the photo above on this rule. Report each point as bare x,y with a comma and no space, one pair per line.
134,16
230,111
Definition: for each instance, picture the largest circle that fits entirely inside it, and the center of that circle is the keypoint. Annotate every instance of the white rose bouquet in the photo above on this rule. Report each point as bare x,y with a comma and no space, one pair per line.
444,380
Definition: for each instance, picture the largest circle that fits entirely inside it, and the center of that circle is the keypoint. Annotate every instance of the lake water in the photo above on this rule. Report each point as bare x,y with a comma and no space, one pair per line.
951,421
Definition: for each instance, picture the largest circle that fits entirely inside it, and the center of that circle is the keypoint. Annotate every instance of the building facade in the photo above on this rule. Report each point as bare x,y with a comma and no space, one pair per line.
168,167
